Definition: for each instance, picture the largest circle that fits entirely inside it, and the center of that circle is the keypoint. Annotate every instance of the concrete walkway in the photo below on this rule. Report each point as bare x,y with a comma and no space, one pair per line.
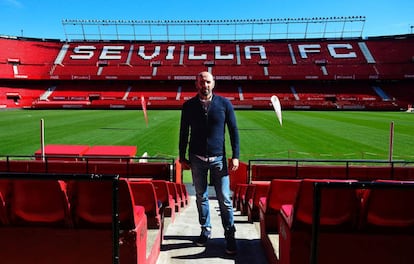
178,246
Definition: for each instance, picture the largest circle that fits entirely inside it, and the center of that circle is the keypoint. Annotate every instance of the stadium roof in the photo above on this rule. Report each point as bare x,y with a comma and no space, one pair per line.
209,30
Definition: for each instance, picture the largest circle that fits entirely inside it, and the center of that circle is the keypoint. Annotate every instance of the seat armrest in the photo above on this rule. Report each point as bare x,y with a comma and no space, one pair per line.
286,211
263,204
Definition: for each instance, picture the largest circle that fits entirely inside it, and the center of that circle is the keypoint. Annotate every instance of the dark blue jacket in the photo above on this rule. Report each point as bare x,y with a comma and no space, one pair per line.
206,129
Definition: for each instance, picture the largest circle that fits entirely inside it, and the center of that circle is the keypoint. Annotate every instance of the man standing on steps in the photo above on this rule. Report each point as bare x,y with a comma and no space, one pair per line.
204,118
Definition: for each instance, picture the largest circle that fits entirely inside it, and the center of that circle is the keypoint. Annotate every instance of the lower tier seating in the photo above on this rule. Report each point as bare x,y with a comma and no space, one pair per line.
46,220
352,217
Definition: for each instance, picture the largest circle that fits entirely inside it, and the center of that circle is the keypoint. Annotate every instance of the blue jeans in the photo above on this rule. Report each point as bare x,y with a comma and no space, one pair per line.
220,179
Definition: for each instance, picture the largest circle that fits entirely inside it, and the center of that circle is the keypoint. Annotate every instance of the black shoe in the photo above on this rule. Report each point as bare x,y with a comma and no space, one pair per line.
231,245
204,237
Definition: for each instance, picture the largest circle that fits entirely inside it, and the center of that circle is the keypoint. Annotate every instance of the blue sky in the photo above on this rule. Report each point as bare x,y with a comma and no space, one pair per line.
43,18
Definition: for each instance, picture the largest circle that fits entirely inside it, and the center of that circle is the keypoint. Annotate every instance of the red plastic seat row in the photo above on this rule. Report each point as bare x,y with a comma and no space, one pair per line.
266,172
281,191
261,190
42,220
172,186
125,168
375,229
388,208
144,194
246,197
165,197
239,191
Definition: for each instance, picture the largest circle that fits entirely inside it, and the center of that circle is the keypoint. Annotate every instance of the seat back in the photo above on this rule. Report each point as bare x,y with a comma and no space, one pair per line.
185,193
245,197
154,170
182,194
39,202
174,192
92,204
338,207
282,191
261,190
251,188
162,191
389,207
241,192
144,195
3,211
5,189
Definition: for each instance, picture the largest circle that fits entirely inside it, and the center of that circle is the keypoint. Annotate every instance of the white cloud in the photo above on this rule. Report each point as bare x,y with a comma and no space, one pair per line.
12,3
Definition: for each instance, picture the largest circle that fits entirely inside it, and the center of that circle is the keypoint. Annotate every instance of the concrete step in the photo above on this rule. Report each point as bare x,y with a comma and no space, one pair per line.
178,246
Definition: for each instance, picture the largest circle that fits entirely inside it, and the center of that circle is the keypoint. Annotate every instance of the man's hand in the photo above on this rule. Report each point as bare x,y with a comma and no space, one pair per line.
234,164
185,164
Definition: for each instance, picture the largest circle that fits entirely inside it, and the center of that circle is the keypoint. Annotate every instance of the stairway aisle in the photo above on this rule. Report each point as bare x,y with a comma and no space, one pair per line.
178,246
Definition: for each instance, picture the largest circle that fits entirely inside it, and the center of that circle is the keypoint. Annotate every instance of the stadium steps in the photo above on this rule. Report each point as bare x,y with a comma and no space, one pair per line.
295,94
381,93
45,95
178,247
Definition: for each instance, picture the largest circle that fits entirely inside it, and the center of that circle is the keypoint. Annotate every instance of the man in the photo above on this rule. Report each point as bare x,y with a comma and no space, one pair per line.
203,120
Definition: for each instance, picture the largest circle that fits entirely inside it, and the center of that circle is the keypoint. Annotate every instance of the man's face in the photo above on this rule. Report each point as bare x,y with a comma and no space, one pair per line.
205,85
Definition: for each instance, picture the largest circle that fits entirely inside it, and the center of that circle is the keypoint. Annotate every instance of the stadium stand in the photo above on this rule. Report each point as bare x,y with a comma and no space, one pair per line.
338,235
373,73
49,218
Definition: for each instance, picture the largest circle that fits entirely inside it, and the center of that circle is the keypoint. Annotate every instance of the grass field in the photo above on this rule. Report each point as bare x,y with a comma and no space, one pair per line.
305,134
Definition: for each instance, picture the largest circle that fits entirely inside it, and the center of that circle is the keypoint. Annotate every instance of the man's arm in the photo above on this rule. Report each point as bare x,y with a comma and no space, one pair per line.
233,132
234,137
183,139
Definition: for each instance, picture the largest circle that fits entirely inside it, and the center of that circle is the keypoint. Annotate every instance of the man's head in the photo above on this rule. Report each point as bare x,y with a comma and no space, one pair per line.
205,85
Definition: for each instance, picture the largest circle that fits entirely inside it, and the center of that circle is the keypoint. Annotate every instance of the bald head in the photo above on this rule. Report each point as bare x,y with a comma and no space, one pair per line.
205,85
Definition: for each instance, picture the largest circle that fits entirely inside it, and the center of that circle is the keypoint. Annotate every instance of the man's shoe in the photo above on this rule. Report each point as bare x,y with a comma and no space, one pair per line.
231,245
204,237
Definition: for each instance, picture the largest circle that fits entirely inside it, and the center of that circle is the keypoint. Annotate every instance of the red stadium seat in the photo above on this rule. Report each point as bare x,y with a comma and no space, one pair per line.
4,219
92,212
389,209
245,198
182,195
185,193
338,207
261,190
163,195
281,191
240,195
5,189
39,202
144,194
92,204
338,215
236,194
174,192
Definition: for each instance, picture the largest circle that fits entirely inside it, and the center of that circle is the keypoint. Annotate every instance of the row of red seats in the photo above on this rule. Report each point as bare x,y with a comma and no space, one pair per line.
357,225
267,172
41,63
36,213
246,198
69,164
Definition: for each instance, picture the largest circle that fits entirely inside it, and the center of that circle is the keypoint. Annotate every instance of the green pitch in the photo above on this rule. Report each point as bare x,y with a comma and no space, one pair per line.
305,134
